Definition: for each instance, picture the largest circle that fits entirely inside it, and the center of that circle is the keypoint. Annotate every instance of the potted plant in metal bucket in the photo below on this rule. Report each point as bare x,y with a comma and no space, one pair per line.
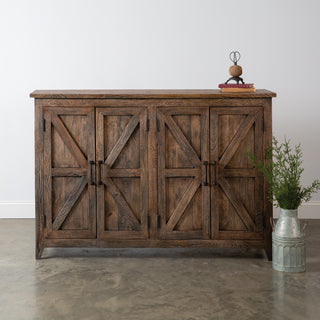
283,172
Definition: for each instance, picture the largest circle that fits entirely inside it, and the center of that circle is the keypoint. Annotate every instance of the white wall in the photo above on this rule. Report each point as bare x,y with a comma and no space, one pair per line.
63,44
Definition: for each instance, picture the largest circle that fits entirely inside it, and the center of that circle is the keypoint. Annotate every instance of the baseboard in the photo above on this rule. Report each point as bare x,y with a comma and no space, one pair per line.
22,210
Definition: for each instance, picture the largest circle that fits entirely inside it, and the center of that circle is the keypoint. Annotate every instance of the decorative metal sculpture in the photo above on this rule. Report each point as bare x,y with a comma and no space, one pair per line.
235,70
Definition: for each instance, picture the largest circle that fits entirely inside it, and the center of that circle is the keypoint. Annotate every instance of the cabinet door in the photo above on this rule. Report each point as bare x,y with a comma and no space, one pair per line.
69,200
122,191
183,201
237,197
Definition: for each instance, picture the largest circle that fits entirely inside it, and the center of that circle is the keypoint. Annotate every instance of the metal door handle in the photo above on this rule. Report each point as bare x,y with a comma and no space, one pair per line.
91,175
206,167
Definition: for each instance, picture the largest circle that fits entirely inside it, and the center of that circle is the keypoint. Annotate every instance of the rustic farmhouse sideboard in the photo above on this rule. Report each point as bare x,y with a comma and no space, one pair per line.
151,168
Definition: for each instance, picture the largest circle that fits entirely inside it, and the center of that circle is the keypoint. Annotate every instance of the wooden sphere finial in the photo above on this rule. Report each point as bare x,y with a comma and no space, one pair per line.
235,71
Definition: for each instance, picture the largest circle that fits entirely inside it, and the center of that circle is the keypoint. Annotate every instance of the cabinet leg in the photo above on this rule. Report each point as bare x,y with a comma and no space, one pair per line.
39,253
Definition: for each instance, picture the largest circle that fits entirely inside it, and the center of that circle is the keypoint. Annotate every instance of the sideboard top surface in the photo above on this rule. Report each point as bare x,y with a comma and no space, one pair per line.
148,94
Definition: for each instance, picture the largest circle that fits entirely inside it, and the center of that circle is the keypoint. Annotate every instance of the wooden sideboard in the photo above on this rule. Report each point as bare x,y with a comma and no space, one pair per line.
151,168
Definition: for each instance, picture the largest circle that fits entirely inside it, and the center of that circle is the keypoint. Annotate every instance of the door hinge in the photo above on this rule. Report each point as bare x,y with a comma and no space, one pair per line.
43,125
147,125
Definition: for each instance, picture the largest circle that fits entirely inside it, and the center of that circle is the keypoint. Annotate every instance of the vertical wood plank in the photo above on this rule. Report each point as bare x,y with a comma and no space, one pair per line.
196,141
267,204
92,222
100,156
214,156
161,171
47,177
143,171
204,136
38,138
152,170
258,195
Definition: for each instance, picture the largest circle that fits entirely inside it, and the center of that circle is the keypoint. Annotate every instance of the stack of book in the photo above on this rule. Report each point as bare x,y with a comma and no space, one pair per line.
244,87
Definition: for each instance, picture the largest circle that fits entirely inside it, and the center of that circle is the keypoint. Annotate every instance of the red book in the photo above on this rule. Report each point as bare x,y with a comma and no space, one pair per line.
233,85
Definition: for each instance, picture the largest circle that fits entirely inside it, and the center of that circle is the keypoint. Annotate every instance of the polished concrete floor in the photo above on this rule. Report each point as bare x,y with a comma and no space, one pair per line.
151,283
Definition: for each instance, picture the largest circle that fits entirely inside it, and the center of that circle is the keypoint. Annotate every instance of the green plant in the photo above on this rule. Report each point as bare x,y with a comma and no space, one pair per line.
283,173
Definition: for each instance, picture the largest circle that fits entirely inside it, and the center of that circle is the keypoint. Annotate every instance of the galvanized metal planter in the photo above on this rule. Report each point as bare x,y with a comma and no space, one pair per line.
288,243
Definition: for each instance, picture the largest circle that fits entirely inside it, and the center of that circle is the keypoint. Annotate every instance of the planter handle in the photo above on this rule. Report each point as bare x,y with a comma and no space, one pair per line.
304,226
272,222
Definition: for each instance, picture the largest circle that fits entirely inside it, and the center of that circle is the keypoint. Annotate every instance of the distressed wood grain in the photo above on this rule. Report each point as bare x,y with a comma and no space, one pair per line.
147,147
